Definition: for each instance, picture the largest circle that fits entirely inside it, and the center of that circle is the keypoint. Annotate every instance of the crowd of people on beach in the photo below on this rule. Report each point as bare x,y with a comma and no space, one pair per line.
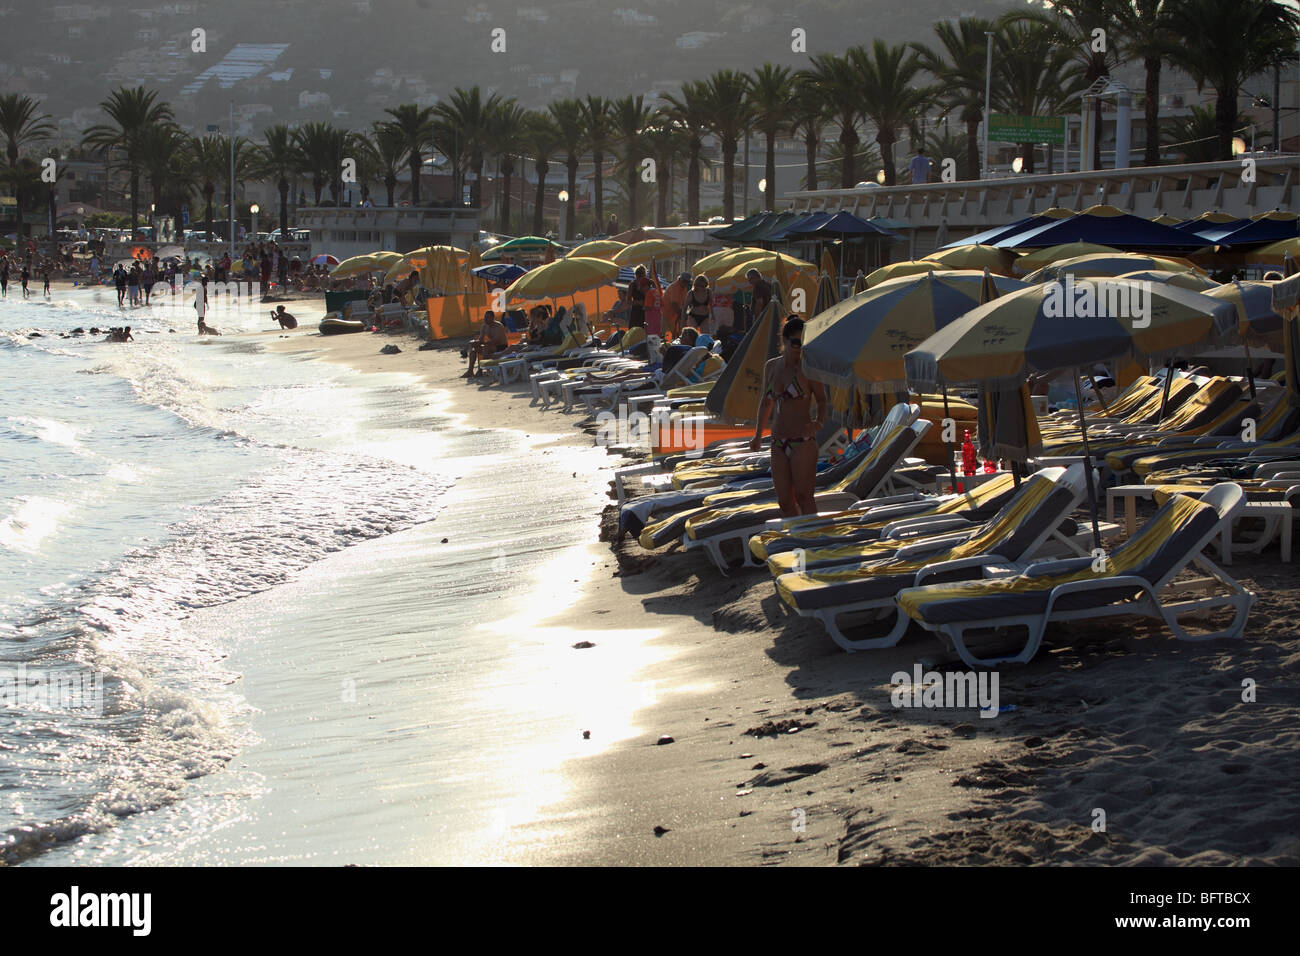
23,270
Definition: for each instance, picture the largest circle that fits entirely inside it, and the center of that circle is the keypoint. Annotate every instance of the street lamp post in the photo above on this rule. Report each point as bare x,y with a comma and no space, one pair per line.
563,197
255,209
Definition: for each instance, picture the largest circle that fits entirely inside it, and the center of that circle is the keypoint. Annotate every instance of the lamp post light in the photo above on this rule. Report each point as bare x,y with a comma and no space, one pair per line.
255,209
563,197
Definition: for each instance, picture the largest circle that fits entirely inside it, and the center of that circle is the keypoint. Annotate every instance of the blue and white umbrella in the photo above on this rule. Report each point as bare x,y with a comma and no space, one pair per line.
502,273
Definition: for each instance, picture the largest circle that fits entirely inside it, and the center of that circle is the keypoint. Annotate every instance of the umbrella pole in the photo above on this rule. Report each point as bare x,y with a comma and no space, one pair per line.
1169,379
1250,371
1087,466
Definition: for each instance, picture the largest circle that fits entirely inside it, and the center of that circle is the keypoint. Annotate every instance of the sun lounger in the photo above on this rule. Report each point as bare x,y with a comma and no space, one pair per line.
721,520
1133,580
1008,539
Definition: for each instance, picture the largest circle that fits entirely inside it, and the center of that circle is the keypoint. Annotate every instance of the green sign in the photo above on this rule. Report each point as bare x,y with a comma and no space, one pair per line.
1027,129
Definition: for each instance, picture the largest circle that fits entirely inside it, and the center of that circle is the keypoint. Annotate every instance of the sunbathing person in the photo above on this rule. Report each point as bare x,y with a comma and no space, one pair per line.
491,342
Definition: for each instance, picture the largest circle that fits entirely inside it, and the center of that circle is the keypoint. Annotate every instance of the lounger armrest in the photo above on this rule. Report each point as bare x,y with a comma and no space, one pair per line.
956,564
891,512
925,524
1101,582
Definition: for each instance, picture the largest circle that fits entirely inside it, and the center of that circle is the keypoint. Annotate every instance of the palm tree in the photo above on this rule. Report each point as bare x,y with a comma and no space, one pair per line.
415,123
664,140
958,69
1075,23
506,128
807,120
369,167
689,113
211,165
839,86
1228,43
769,101
728,112
466,118
21,126
279,158
629,118
942,143
1196,136
318,144
1145,32
1033,74
567,115
889,98
130,112
158,147
390,150
542,137
600,139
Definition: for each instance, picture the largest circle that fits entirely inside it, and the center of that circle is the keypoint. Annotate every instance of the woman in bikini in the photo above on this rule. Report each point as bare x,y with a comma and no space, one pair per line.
787,396
699,302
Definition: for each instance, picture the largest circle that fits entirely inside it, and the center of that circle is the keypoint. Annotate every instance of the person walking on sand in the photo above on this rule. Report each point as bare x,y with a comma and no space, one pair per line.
45,278
25,275
491,341
787,396
674,305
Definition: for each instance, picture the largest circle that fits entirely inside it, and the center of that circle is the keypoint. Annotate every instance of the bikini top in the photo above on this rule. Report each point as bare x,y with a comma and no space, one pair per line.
792,391
697,306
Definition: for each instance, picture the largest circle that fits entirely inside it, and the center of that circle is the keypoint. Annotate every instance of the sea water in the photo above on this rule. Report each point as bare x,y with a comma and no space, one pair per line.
197,523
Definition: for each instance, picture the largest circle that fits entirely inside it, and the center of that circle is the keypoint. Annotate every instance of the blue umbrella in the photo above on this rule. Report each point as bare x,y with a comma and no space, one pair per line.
499,272
1105,226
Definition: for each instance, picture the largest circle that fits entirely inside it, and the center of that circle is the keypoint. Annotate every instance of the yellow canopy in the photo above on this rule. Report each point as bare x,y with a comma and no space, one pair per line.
909,267
595,249
1069,250
360,265
719,262
766,264
563,277
645,250
974,256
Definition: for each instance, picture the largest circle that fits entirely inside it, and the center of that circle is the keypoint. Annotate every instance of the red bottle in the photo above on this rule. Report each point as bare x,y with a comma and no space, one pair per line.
990,467
967,456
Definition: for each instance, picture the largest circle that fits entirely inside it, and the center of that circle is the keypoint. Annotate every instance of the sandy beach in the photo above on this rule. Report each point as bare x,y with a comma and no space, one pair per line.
786,750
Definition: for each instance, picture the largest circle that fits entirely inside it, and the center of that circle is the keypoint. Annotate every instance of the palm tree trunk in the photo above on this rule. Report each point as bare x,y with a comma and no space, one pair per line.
769,171
728,181
887,157
135,197
1096,139
570,208
1151,156
810,154
848,157
476,193
973,147
1225,116
390,185
693,184
665,186
208,191
284,209
598,157
1026,157
414,163
542,169
507,174
631,197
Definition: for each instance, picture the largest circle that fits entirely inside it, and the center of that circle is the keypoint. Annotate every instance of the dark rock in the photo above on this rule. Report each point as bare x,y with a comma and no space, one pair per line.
444,540
583,645
665,739
389,350
660,831
1033,741
586,735
427,346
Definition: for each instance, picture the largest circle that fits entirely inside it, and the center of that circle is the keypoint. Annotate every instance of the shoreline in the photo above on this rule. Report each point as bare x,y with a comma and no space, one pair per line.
853,779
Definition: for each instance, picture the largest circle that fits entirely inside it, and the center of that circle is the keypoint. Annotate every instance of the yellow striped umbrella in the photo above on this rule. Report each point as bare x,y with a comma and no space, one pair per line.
908,267
1275,252
563,277
1110,264
719,262
596,249
1068,250
1037,329
641,252
975,256
861,341
360,265
1184,278
734,277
